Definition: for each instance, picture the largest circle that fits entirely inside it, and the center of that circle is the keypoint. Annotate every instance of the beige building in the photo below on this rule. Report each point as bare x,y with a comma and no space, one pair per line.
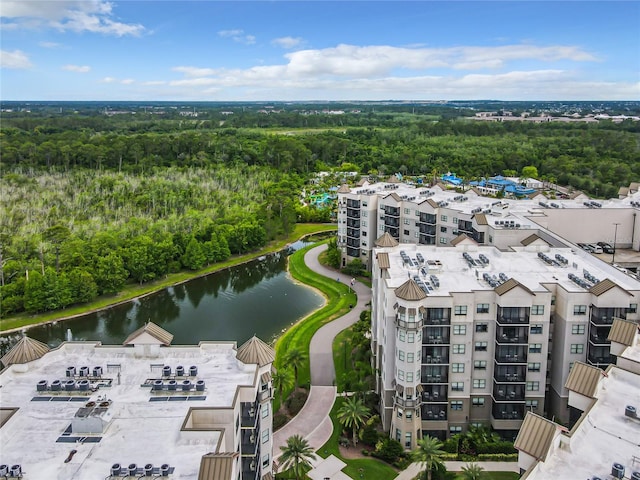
146,408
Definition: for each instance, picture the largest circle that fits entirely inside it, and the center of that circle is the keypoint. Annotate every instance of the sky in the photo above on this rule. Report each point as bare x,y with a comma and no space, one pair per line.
319,50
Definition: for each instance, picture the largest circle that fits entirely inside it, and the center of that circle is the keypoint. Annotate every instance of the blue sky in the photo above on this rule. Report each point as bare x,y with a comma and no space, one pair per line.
325,50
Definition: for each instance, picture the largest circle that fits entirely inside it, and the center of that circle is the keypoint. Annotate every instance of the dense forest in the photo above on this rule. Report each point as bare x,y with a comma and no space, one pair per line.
93,201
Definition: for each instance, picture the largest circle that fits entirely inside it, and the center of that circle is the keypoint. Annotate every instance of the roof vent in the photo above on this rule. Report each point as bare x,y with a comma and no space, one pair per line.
617,470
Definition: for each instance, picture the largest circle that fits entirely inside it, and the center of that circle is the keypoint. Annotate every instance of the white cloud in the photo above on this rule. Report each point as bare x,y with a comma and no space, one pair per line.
127,81
49,44
195,71
151,83
287,42
77,68
109,80
15,60
75,15
238,35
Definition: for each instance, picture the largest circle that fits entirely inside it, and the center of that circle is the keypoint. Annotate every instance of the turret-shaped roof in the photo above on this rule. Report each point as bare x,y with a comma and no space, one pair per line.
386,240
410,290
26,350
344,189
255,350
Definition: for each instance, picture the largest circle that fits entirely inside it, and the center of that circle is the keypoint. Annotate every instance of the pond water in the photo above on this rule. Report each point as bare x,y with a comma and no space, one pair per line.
258,298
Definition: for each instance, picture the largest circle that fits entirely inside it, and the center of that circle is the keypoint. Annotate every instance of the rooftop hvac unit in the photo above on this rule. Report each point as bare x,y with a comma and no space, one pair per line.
15,471
41,386
116,469
617,470
179,371
132,468
148,470
635,476
71,371
164,470
4,469
630,411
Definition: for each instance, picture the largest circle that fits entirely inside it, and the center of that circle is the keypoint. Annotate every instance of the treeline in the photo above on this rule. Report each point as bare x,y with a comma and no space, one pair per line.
595,158
67,238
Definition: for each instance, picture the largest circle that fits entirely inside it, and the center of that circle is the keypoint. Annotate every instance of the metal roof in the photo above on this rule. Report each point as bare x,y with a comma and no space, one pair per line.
510,285
481,219
460,238
583,379
532,238
535,436
344,189
26,350
410,290
604,286
383,260
623,331
255,350
386,240
217,466
154,330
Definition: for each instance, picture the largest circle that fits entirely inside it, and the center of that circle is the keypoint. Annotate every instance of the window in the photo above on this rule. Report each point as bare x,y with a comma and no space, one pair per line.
457,386
457,367
453,430
479,383
410,357
409,376
477,401
416,234
460,310
482,308
531,404
458,348
265,436
411,337
480,364
553,299
407,211
401,375
571,365
482,327
364,224
401,335
577,348
398,434
443,229
536,329
533,367
443,218
406,221
537,309
633,308
456,405
407,439
535,348
406,232
481,346
265,410
577,329
459,329
401,355
400,413
579,309
533,386
443,240
265,461
454,220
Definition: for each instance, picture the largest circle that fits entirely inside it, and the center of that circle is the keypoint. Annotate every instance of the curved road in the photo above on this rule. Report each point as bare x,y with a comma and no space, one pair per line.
313,422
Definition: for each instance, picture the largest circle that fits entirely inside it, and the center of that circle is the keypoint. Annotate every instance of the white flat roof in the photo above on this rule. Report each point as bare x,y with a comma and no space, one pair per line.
140,431
603,437
455,274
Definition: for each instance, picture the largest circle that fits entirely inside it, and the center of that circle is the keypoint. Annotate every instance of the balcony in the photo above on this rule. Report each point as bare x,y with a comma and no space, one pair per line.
600,359
434,412
391,221
391,211
249,442
515,358
427,240
436,359
250,468
521,320
409,325
435,394
353,232
435,338
512,315
507,411
510,377
437,316
598,339
428,218
601,320
265,394
353,203
508,393
513,374
605,315
353,242
406,403
353,252
352,213
249,415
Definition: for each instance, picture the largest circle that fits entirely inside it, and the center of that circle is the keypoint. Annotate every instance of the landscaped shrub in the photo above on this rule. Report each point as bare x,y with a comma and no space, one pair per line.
389,450
450,445
498,457
296,401
279,420
369,435
497,447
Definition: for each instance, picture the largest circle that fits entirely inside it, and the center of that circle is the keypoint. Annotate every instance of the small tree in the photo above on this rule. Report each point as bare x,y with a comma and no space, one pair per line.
282,380
333,254
473,471
295,358
353,414
297,456
428,454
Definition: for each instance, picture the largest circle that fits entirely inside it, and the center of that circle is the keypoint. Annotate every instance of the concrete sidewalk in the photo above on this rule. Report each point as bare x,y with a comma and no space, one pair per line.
414,469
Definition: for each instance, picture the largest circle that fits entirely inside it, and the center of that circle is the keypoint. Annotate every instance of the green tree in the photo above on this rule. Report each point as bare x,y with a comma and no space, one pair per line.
282,380
333,254
194,256
428,453
297,455
353,414
295,358
529,171
110,274
473,471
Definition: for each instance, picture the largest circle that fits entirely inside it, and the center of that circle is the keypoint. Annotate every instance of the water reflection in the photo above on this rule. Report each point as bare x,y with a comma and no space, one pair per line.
255,298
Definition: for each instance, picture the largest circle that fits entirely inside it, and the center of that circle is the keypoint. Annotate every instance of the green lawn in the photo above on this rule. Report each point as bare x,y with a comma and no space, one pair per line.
338,298
134,290
342,356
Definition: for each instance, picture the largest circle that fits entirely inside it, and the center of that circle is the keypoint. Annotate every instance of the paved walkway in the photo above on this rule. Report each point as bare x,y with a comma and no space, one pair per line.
414,469
313,422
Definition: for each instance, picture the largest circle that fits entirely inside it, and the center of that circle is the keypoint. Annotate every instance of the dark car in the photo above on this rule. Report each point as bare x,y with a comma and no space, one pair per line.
606,247
586,247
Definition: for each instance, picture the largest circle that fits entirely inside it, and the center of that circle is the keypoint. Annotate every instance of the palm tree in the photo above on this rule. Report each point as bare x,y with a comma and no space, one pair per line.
282,380
428,453
473,471
295,358
353,414
297,456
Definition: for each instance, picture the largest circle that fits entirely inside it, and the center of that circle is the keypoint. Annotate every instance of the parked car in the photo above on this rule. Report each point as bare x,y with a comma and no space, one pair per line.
595,248
585,247
606,247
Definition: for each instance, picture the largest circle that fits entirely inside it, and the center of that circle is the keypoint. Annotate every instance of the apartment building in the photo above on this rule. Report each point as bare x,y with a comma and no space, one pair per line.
436,216
144,408
470,334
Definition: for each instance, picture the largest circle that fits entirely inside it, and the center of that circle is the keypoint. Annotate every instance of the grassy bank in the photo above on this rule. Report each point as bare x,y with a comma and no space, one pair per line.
338,298
133,291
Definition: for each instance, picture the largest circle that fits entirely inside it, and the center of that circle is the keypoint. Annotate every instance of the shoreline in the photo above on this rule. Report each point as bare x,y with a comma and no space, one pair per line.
250,258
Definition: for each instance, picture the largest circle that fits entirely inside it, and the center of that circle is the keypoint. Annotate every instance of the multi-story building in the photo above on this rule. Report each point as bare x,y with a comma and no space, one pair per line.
472,334
146,408
436,216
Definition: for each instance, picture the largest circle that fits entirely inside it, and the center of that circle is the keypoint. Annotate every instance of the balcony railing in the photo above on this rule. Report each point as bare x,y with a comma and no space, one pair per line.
506,339
513,320
403,402
507,393
434,414
436,359
601,320
510,378
600,359
442,378
353,213
511,358
435,339
508,415
415,325
596,339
